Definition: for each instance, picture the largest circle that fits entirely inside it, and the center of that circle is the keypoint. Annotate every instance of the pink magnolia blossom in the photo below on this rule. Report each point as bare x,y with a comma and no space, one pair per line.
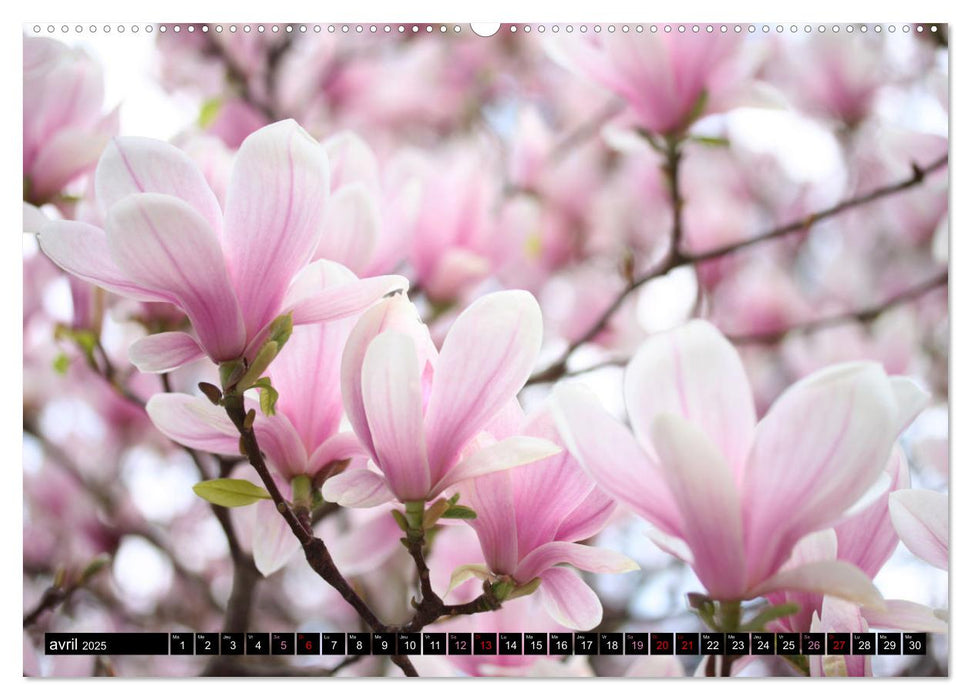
667,79
232,270
531,519
303,437
867,540
419,412
727,494
64,127
372,208
920,518
449,248
839,616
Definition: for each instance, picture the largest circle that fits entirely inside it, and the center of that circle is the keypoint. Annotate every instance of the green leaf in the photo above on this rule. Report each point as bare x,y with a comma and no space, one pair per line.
281,329
767,615
714,141
399,518
460,512
230,493
209,112
697,109
268,399
259,365
230,372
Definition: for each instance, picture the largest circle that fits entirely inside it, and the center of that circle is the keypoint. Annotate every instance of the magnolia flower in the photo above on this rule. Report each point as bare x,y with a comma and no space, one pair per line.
449,247
530,520
727,495
64,128
839,616
302,438
232,270
419,412
920,518
667,79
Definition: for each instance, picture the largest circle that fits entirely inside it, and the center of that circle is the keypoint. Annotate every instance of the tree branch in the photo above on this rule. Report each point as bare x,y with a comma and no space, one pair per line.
863,315
675,259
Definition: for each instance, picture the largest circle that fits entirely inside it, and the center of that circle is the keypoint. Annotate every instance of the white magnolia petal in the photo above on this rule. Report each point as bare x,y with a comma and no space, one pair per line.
358,488
505,454
569,600
920,518
164,352
836,578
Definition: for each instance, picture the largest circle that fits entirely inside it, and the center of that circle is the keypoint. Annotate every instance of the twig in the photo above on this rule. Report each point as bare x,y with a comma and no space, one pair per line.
864,315
314,549
675,259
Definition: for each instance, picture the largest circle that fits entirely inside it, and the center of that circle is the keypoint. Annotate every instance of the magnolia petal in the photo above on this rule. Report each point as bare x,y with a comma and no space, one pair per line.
582,556
392,394
68,154
569,600
280,442
351,161
588,518
164,352
34,218
836,578
920,518
815,453
275,207
163,244
485,360
314,407
194,422
609,454
132,164
504,454
694,372
911,399
711,514
839,616
906,616
358,488
351,228
868,538
465,572
314,298
335,449
579,509
675,546
491,497
82,250
395,313
273,543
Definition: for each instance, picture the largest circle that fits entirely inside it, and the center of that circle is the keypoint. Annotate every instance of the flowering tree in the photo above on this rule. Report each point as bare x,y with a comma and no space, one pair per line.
622,329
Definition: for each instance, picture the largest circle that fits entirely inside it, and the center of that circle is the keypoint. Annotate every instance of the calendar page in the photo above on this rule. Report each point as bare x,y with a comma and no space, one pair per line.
480,350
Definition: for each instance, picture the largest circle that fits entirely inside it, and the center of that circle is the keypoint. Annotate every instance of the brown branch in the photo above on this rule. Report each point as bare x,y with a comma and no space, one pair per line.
52,597
864,315
314,549
675,259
